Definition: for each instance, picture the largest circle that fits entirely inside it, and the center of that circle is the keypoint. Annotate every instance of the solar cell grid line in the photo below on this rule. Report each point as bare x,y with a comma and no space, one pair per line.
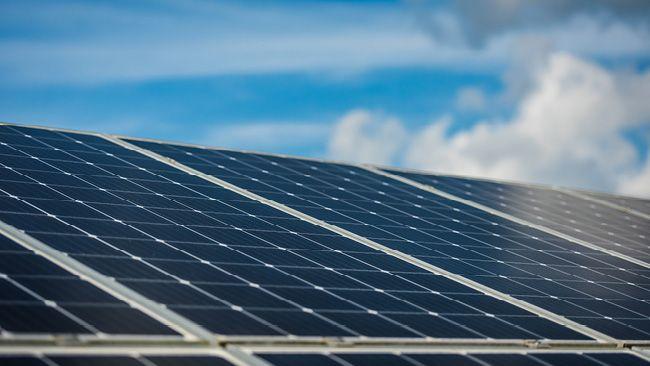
634,205
585,285
211,302
450,357
40,299
559,210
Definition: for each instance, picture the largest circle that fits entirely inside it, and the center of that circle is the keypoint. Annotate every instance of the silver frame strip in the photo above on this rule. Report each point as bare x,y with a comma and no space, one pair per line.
642,352
249,357
416,349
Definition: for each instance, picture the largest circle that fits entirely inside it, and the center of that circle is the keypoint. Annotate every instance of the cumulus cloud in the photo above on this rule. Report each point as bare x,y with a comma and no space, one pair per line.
361,136
567,129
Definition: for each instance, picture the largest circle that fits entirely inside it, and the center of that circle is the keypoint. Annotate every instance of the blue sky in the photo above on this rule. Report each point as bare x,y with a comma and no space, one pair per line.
370,81
165,108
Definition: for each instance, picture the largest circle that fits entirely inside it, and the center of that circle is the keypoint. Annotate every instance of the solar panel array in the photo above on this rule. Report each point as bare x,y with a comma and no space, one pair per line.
346,358
595,289
231,264
339,251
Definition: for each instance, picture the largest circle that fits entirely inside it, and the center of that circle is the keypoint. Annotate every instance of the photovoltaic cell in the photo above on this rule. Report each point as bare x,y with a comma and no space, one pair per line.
228,263
111,360
637,204
590,221
456,359
595,289
37,296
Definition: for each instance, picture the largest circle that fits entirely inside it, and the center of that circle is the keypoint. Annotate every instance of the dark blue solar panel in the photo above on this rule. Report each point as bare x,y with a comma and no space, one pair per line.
94,360
286,359
229,263
99,359
443,359
37,296
590,221
187,360
606,293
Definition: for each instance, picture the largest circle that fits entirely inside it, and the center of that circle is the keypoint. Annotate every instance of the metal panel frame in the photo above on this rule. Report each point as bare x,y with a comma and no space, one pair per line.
642,352
429,349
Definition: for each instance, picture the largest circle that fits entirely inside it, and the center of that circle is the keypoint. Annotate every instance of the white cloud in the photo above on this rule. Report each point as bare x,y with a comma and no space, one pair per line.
471,99
360,136
637,184
567,130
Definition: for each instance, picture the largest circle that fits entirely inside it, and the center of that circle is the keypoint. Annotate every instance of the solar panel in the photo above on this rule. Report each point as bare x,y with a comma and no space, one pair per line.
637,205
584,285
329,358
218,257
583,219
228,263
111,359
38,296
492,358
